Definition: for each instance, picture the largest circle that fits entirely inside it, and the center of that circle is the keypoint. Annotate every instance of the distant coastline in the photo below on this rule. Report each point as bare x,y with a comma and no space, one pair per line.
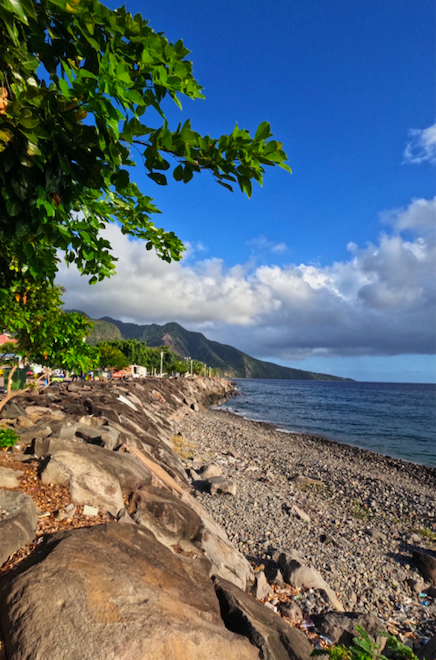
389,419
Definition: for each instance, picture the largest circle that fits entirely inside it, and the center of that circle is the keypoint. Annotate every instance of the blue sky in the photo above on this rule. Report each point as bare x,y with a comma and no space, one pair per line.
300,270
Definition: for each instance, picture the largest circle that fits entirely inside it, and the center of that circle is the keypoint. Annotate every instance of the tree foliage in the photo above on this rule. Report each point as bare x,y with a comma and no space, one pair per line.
111,357
77,80
137,352
45,334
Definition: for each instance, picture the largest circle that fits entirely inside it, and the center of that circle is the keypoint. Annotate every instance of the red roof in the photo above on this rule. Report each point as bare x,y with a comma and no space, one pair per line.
4,339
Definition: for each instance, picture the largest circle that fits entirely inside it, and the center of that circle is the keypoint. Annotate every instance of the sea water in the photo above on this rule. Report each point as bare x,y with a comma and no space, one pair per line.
395,419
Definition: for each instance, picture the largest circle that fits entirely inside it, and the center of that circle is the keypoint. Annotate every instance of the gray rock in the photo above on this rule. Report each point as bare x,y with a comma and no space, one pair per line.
376,534
428,652
9,478
416,586
225,559
12,410
164,513
211,470
110,437
340,627
67,431
124,517
226,487
426,564
246,616
302,480
261,587
32,434
18,528
275,576
192,403
90,434
291,611
113,591
398,575
300,513
38,410
88,482
414,539
298,575
130,473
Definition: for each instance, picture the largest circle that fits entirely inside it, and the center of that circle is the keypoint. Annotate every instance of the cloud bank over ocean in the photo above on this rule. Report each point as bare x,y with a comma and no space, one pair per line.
382,301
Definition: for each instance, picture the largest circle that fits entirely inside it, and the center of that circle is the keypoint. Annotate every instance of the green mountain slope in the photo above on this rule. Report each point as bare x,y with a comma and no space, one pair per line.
230,361
103,331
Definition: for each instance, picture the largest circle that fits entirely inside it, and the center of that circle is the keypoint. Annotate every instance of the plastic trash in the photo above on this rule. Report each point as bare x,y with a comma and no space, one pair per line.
307,623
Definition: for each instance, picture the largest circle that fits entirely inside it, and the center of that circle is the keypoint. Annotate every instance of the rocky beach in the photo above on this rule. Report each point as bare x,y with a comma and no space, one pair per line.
136,523
356,517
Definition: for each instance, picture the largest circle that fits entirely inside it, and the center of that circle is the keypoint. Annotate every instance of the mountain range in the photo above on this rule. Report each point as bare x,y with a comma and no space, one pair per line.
229,360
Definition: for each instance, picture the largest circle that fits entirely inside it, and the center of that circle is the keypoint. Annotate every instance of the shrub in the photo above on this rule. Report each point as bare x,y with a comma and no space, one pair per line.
363,648
8,438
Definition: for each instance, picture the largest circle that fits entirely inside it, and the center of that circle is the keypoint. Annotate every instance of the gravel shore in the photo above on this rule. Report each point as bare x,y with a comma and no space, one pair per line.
358,527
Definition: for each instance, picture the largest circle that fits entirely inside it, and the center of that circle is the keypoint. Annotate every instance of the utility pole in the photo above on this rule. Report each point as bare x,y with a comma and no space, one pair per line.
210,371
191,367
161,364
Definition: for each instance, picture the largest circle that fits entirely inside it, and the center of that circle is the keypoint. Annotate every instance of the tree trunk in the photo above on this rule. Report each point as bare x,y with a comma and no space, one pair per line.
9,393
9,388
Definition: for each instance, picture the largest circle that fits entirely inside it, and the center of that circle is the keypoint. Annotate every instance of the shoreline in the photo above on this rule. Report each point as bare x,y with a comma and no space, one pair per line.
399,424
329,441
363,519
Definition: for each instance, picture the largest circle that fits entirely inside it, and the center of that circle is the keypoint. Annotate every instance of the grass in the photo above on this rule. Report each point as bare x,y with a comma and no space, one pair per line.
8,438
182,447
425,533
360,512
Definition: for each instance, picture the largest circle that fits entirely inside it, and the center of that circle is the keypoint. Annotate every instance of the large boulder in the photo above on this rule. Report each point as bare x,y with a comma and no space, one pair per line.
9,478
340,627
428,651
87,482
12,410
298,575
113,592
426,564
275,638
163,512
130,473
226,561
18,526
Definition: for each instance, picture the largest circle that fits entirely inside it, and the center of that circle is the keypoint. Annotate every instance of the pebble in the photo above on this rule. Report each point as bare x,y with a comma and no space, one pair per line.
363,510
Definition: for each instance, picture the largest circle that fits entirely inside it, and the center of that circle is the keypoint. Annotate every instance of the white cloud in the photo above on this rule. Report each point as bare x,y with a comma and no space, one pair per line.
422,145
262,244
382,301
418,217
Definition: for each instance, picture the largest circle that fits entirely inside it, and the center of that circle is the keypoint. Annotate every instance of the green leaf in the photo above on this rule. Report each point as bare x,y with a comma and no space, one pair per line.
134,96
6,135
33,149
263,132
18,9
187,174
64,88
178,173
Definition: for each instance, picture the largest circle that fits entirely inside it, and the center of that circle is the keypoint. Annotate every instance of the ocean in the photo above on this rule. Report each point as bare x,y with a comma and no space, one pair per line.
395,419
